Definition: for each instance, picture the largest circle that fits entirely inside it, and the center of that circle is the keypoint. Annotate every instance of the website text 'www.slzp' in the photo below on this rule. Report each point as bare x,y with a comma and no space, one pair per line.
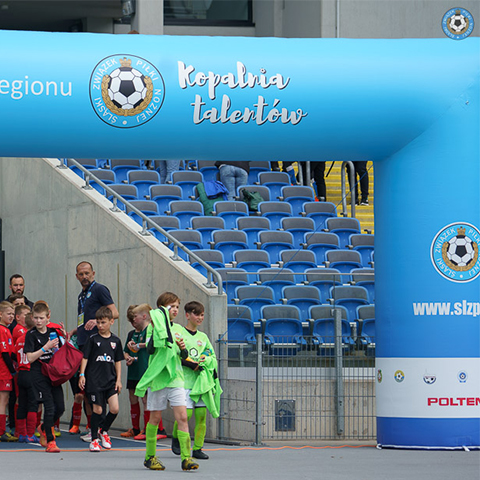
445,308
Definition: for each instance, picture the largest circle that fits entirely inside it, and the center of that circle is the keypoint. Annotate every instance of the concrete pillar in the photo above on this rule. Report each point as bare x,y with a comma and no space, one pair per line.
148,17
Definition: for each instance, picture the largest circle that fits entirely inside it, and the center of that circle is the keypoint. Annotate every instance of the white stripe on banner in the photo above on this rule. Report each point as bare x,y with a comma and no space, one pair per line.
428,387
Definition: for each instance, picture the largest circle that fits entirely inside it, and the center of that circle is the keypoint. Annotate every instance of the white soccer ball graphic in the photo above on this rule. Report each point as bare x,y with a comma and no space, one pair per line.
127,88
457,23
460,251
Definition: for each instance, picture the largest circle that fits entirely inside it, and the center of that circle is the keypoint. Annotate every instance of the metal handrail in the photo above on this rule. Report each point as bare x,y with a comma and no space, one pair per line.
146,221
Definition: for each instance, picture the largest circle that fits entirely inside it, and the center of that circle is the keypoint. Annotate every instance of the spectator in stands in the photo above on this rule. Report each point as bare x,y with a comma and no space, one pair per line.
17,286
318,173
362,173
233,175
166,168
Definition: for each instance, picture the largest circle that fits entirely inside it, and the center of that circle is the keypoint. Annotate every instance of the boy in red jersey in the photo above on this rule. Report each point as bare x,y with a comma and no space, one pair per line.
40,347
26,418
20,328
7,370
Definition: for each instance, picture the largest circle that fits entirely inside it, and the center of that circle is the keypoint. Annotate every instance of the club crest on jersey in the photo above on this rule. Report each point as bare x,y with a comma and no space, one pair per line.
113,345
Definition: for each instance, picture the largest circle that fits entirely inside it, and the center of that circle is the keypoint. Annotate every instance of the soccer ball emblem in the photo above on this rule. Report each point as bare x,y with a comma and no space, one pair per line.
429,379
127,88
457,23
399,376
461,251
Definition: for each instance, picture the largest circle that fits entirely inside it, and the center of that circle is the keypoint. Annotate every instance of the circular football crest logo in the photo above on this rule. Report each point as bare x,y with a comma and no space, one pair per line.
399,376
126,91
457,23
454,252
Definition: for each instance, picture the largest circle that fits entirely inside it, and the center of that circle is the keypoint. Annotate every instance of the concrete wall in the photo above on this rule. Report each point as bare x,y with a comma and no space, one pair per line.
50,224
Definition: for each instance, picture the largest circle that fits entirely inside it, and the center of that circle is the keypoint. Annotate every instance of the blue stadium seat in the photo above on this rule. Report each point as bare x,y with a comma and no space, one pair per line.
206,226
252,261
228,242
231,279
212,258
274,242
167,223
185,210
187,180
230,211
252,226
303,297
343,227
349,297
208,169
163,195
343,260
147,207
122,167
296,196
323,279
255,169
364,244
255,297
275,211
276,278
274,181
189,238
283,329
319,243
365,277
298,261
298,227
319,212
143,180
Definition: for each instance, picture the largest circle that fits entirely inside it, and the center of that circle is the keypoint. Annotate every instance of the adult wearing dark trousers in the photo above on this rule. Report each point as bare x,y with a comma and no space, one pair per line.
93,296
362,173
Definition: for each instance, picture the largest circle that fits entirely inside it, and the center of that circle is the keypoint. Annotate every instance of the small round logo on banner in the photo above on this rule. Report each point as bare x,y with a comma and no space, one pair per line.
379,376
462,376
126,91
429,379
399,376
457,23
454,252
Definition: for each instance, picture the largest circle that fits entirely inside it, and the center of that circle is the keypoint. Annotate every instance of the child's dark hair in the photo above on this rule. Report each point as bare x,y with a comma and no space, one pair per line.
104,312
40,307
29,323
194,307
130,313
20,308
167,298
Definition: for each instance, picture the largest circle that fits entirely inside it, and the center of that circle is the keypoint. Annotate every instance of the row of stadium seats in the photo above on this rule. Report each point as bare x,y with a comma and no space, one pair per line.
283,333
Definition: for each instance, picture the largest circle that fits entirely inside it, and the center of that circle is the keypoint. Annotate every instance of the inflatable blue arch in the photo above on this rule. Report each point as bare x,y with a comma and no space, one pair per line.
411,106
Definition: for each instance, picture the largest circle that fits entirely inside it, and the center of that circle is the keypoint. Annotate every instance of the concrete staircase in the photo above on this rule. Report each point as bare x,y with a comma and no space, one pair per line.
334,194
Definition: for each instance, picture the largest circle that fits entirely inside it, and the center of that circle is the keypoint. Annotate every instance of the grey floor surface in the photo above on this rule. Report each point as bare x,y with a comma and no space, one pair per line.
275,460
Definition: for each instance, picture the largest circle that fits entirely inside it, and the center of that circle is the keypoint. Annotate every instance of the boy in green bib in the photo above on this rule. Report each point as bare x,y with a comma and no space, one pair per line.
164,380
201,381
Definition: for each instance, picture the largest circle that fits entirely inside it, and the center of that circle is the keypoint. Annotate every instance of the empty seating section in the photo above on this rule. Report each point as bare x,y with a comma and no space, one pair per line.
285,269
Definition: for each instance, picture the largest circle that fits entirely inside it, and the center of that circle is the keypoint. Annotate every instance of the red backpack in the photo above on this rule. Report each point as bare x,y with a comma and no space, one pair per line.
63,365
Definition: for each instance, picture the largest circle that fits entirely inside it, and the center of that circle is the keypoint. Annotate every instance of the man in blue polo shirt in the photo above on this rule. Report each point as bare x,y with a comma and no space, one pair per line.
93,296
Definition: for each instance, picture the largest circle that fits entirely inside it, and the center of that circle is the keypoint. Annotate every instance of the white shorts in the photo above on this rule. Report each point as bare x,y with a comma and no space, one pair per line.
157,401
191,403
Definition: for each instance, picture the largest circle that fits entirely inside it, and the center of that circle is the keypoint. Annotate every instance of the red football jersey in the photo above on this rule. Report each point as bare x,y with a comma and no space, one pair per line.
6,345
23,363
18,331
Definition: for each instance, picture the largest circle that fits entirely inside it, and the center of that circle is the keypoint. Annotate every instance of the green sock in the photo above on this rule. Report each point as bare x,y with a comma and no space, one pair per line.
151,439
184,440
175,425
200,427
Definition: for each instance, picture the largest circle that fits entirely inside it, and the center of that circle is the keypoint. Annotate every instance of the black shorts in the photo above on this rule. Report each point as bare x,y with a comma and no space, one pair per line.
101,397
132,384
